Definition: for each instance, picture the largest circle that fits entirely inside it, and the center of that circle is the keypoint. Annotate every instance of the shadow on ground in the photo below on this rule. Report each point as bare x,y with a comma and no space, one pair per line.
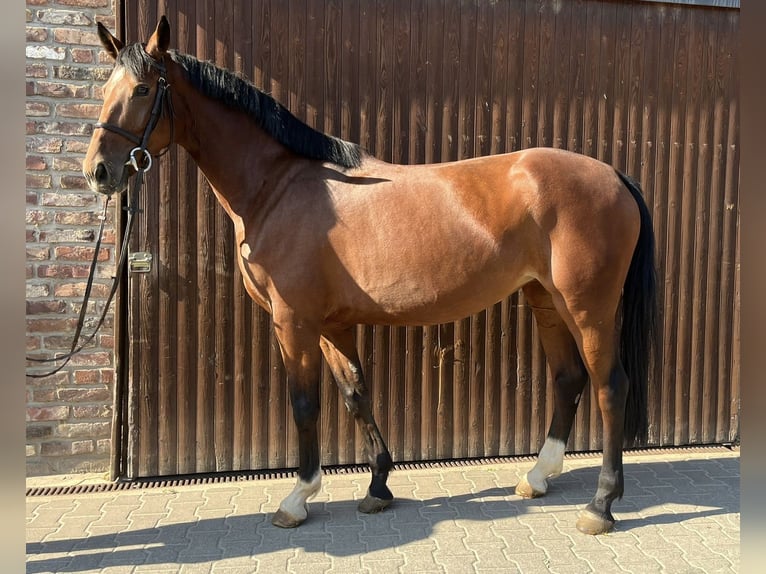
337,529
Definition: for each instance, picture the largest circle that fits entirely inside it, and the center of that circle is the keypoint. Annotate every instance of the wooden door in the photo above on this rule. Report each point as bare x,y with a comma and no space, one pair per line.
650,88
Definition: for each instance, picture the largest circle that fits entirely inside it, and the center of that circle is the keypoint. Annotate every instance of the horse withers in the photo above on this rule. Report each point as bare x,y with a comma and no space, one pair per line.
329,237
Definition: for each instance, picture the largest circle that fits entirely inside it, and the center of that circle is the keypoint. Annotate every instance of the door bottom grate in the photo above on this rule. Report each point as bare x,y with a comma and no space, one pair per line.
252,475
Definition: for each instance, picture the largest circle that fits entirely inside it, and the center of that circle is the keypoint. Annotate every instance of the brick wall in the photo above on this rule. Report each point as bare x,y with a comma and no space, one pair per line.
68,414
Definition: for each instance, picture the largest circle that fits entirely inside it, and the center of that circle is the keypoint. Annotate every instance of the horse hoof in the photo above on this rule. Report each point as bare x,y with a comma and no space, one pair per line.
284,520
372,504
593,524
526,490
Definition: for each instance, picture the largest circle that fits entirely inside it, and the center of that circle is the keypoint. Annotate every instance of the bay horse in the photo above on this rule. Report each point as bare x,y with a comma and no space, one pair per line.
329,237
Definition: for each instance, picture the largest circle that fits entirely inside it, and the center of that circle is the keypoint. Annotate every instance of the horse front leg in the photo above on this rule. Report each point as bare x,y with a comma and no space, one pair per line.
302,358
340,352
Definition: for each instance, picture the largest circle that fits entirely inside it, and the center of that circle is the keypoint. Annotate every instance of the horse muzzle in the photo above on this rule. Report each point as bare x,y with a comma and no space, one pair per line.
108,178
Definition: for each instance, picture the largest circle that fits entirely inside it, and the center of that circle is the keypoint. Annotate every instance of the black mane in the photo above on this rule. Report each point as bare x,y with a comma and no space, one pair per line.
236,92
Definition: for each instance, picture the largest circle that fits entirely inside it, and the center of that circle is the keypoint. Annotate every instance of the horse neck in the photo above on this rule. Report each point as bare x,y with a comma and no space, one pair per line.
233,152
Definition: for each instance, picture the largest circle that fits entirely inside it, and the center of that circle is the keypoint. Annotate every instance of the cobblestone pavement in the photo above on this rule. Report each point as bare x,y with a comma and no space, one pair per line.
680,514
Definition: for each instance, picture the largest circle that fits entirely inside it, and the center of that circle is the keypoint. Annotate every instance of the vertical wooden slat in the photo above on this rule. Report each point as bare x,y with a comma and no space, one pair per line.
667,20
350,62
545,88
425,389
367,75
561,76
729,374
400,77
650,80
384,51
365,348
514,92
499,60
687,129
434,102
445,438
414,376
476,376
523,414
636,50
508,375
674,203
715,109
261,382
703,403
530,66
491,397
380,378
620,102
416,83
450,69
577,70
396,393
483,67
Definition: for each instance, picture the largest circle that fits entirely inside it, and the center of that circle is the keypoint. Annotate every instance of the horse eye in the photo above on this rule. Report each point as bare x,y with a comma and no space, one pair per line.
141,90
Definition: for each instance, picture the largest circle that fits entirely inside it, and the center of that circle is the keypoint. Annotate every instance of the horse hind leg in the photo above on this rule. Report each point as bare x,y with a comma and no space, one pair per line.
611,384
569,379
593,323
340,352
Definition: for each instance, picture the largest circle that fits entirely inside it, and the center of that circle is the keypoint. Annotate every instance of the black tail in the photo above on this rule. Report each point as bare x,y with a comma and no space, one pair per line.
638,337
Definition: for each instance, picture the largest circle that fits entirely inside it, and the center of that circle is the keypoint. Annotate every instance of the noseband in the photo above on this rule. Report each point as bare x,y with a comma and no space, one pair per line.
140,158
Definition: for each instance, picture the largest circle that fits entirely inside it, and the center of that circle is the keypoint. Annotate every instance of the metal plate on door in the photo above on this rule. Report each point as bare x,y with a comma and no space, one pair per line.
140,262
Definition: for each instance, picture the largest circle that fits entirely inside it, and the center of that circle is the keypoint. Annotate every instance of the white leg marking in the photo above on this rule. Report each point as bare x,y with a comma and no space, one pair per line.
550,463
295,502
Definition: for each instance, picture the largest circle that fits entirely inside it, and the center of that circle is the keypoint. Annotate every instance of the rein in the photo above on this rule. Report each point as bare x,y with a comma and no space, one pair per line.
141,161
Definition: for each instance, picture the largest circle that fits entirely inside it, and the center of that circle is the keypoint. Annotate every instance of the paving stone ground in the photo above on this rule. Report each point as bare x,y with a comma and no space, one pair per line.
680,514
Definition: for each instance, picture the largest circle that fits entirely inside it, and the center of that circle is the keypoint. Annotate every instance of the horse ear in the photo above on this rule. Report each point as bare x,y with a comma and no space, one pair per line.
160,40
111,44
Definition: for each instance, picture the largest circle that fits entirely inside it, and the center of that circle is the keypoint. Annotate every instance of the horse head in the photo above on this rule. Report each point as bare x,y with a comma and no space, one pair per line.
132,126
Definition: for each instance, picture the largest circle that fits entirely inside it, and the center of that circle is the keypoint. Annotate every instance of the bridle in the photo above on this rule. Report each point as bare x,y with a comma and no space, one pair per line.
161,97
141,160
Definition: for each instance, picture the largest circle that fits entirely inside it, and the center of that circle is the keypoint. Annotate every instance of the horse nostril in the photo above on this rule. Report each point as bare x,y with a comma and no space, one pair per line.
101,174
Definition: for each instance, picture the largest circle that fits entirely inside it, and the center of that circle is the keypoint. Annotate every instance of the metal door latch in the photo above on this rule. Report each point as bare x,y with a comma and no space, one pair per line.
140,262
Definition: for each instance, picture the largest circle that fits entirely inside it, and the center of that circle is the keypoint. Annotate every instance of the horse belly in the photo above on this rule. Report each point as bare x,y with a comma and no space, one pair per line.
434,291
